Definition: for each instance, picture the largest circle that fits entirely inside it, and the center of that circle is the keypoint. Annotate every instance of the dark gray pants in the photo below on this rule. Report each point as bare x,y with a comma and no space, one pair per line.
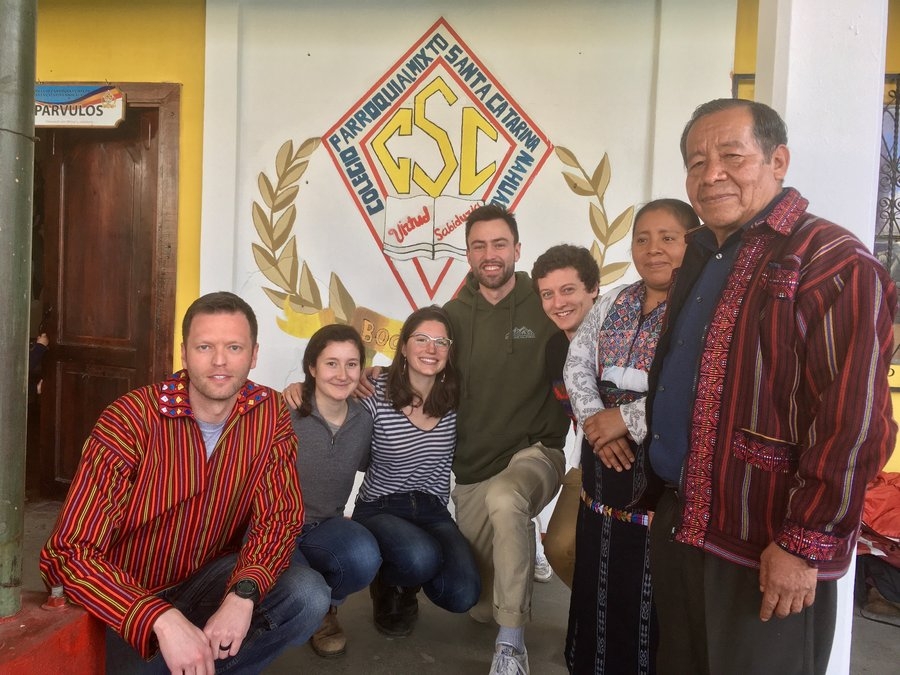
708,611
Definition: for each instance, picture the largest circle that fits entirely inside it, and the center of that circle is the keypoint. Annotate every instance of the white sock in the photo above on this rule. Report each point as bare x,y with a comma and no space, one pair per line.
538,543
514,637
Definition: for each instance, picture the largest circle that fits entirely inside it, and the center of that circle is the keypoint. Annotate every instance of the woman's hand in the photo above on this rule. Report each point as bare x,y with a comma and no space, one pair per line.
604,426
616,454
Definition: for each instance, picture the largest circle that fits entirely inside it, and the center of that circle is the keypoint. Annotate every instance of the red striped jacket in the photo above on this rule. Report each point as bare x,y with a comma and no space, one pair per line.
792,416
146,509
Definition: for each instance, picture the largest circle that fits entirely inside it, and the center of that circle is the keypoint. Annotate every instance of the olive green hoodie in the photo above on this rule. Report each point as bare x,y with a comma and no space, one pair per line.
506,403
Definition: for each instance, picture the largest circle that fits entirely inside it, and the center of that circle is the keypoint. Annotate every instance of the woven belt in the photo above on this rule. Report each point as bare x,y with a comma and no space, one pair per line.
618,514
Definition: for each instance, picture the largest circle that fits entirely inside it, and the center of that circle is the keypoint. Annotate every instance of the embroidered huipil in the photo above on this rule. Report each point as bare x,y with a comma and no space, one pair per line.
792,415
607,368
619,352
146,509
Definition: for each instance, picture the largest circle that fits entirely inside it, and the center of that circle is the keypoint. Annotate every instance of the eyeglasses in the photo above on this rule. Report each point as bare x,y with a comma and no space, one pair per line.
439,342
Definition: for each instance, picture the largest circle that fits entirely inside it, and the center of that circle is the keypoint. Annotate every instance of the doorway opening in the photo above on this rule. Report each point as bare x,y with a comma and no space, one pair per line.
104,260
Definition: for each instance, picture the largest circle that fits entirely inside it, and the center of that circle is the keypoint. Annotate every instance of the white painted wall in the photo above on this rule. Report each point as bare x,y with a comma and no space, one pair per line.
821,65
694,37
619,76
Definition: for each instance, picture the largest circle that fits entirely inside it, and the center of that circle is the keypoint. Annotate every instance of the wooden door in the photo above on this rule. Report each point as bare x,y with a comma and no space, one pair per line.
108,272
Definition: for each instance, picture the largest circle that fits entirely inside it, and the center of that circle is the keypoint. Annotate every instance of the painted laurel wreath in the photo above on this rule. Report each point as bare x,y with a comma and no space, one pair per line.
606,234
277,256
296,288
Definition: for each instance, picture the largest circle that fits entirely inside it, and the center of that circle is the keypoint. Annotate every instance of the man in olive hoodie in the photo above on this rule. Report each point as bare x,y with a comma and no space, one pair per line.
508,461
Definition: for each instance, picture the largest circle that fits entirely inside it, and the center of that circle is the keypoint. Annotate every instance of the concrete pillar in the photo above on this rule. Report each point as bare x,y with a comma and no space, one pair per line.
17,72
820,63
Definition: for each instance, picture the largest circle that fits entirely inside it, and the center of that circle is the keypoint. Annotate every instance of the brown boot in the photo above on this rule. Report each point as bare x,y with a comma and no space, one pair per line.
329,639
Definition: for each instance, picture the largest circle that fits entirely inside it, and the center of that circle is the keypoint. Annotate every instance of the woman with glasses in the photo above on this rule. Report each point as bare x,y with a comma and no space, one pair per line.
403,498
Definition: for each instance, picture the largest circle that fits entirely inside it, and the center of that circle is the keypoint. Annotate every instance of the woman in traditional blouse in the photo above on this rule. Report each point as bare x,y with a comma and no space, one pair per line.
612,622
404,495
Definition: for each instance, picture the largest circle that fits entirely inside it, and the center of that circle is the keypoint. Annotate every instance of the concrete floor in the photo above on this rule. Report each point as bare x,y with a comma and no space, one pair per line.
445,643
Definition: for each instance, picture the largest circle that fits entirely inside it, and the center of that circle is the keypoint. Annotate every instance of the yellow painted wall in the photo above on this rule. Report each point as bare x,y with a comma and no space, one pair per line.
892,61
745,36
745,62
140,41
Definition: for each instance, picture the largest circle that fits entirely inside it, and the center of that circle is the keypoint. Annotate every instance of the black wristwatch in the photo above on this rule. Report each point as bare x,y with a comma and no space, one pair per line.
247,588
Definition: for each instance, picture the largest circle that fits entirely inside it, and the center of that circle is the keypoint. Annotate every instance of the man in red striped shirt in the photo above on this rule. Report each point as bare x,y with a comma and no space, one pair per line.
180,523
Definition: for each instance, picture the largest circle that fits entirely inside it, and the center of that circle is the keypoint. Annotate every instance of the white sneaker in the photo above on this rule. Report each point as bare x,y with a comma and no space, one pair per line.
542,570
507,661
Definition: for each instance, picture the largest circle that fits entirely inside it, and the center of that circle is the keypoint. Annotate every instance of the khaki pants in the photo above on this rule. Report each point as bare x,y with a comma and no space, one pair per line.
495,516
559,542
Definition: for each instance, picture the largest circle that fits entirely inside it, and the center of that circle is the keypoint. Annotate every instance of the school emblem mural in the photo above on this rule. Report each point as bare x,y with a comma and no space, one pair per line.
434,138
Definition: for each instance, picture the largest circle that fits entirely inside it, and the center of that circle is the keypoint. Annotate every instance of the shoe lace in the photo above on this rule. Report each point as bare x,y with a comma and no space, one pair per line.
507,662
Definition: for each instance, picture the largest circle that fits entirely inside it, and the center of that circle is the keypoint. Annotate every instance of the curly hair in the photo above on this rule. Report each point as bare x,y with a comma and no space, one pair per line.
566,255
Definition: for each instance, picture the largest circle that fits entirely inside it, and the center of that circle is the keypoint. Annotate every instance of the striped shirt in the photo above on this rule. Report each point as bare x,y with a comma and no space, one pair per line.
146,509
404,457
791,415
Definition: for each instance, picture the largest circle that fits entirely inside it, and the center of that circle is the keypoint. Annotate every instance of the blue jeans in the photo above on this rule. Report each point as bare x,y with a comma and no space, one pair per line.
287,615
421,545
343,552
